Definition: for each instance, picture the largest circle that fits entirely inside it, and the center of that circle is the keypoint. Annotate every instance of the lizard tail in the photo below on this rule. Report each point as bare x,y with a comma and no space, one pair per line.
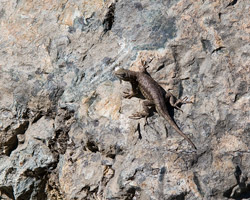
172,123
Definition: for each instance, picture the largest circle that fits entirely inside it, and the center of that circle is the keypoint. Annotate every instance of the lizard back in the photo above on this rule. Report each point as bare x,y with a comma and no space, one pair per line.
150,89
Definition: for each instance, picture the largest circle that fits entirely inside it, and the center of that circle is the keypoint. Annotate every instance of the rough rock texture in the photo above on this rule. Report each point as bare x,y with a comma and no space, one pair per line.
64,126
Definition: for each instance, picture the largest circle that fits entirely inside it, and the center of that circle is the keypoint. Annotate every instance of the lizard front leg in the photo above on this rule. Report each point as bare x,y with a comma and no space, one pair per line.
133,93
145,65
170,97
145,113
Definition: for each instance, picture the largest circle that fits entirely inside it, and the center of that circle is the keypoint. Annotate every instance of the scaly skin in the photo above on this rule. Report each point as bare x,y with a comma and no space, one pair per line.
154,94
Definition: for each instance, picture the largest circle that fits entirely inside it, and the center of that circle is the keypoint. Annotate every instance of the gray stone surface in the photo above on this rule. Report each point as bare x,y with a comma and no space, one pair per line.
65,131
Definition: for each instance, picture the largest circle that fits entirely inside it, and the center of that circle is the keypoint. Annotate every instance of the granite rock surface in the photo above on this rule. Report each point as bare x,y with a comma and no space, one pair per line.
65,131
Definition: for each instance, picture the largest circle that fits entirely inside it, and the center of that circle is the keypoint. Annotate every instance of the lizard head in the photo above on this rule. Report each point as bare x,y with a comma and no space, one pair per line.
122,74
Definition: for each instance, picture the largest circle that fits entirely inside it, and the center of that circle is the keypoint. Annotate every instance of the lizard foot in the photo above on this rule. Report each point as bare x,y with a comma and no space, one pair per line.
128,95
181,101
184,100
139,115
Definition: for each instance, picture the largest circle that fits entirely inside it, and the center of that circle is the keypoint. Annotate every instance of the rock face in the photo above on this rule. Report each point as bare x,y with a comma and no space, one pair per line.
65,130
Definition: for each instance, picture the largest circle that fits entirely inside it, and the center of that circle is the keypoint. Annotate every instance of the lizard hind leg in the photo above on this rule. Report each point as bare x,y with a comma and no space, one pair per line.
143,114
170,97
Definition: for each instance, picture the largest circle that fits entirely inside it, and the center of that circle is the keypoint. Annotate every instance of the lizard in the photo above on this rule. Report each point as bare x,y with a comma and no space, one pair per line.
154,94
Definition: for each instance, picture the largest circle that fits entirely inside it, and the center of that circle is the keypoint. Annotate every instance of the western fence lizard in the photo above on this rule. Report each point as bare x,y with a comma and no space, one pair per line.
155,95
